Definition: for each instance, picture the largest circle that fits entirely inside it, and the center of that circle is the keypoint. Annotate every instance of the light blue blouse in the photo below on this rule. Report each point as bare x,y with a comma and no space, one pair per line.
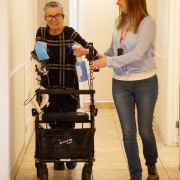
138,49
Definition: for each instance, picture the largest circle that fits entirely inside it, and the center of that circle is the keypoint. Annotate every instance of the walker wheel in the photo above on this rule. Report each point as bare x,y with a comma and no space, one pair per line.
44,176
87,176
86,171
38,168
43,172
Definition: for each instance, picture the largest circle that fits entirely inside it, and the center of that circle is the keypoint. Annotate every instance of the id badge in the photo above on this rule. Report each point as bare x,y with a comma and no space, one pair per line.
120,51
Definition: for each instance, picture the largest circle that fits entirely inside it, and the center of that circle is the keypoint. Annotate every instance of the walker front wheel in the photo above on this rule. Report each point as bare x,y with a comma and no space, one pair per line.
87,176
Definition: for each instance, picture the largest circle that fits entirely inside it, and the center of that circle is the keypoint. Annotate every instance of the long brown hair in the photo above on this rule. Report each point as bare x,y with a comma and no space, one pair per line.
137,10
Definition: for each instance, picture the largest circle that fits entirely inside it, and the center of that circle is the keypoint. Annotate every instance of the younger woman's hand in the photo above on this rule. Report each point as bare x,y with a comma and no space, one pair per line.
79,50
100,63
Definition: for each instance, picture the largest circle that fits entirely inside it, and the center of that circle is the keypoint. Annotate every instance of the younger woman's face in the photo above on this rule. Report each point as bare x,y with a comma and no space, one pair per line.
122,5
54,12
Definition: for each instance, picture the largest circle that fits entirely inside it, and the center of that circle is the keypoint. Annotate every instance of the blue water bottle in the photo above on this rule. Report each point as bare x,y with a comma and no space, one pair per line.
81,69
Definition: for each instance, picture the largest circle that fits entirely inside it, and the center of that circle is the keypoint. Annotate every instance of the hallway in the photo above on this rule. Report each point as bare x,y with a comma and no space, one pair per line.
110,161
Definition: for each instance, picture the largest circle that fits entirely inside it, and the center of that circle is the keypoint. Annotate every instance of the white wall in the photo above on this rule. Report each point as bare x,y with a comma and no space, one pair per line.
65,4
4,93
167,58
21,37
29,43
40,13
98,23
17,126
161,60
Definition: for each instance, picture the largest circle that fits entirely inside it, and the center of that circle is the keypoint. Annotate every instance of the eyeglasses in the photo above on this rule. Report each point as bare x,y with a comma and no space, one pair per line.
57,17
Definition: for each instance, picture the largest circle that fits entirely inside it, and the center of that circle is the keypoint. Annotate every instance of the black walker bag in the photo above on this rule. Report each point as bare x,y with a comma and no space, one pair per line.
56,144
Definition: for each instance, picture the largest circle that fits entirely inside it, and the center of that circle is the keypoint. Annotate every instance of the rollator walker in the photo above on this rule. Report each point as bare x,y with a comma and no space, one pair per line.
62,145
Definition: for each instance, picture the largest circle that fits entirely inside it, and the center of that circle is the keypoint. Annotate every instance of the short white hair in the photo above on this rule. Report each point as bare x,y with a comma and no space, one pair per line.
53,4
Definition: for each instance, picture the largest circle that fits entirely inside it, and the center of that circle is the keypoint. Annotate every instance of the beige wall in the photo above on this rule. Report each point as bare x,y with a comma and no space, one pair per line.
99,19
4,93
21,43
17,127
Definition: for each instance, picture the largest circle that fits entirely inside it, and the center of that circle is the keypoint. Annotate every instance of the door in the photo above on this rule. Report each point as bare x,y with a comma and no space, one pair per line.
29,43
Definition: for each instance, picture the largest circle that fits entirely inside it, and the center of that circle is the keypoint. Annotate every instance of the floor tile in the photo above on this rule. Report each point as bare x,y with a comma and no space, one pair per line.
110,158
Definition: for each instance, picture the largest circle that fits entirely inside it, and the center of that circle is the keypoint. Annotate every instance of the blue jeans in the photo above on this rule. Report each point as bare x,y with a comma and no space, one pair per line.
144,94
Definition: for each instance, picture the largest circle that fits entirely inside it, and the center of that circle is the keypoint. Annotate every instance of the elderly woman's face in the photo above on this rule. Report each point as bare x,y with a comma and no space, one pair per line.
53,17
122,5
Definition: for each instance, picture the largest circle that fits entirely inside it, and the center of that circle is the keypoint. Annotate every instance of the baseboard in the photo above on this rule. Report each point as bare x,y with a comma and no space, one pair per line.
17,165
100,105
159,130
19,160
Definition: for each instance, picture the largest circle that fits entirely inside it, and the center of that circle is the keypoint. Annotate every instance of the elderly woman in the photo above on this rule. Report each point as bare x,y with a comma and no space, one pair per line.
62,72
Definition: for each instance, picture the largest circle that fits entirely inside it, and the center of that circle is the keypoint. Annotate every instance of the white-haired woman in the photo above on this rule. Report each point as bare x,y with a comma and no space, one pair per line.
62,73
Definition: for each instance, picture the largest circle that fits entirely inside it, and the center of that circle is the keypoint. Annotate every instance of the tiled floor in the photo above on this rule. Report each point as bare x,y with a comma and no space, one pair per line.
110,158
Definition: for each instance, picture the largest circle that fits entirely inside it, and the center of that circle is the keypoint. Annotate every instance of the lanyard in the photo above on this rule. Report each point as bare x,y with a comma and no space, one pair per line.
123,34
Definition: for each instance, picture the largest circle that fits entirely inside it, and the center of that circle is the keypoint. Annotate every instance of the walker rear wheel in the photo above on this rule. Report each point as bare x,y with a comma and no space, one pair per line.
43,172
44,176
38,168
87,176
87,171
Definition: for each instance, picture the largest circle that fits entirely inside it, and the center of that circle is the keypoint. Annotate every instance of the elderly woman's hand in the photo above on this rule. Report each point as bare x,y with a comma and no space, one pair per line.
79,50
100,63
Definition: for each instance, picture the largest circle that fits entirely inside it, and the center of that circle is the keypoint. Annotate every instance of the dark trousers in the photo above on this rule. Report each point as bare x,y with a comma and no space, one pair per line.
60,103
